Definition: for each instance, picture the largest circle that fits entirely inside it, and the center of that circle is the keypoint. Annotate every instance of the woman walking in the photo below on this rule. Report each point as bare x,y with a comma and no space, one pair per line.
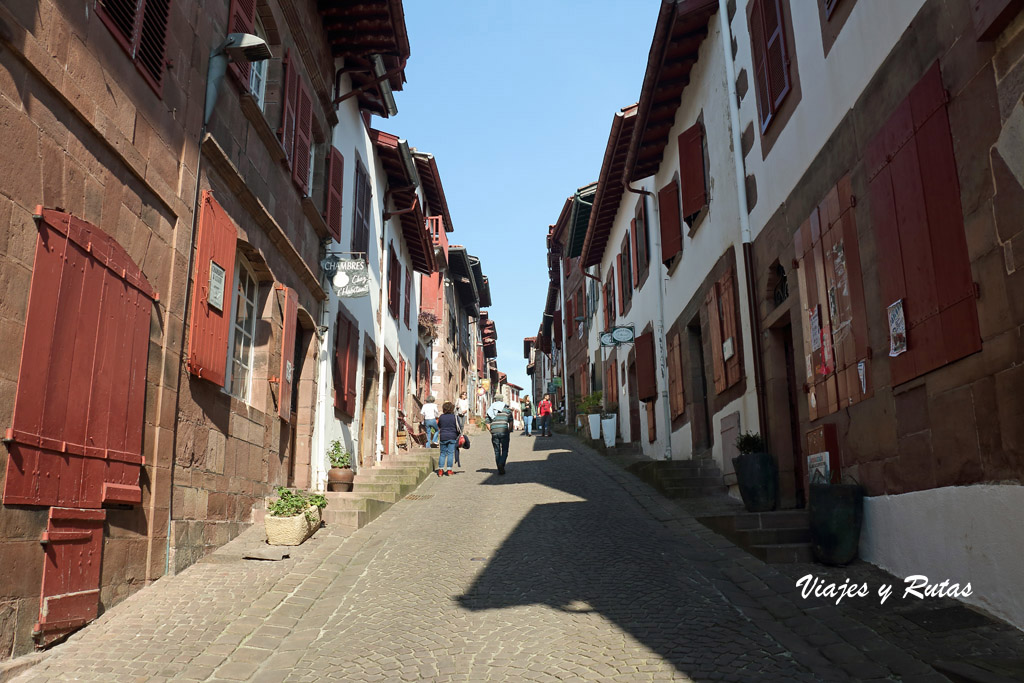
462,409
429,412
448,429
527,409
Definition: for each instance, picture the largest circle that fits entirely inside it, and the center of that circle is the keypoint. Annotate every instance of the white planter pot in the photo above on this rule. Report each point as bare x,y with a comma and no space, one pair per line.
608,427
292,530
595,426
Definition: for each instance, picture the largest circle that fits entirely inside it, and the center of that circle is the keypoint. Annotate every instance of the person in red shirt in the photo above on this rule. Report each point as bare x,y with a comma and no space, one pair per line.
544,413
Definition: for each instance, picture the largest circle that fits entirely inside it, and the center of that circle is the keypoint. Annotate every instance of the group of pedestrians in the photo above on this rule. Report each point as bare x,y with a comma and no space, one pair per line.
445,427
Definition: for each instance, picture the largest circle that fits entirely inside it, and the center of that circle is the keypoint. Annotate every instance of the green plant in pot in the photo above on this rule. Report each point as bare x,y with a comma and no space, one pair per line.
340,476
590,405
757,474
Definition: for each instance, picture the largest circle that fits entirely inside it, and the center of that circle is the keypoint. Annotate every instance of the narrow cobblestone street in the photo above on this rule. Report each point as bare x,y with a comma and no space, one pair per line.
566,568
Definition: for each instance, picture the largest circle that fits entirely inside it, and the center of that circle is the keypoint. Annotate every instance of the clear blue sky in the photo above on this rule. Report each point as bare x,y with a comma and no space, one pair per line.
515,101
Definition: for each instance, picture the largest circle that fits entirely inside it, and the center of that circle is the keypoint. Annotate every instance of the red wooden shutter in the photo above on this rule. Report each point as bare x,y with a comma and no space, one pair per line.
120,16
289,312
622,301
760,66
715,329
671,229
76,435
241,19
303,137
408,297
677,401
140,26
335,186
401,382
352,364
776,59
340,360
691,170
291,87
635,272
730,328
646,381
70,596
394,282
208,333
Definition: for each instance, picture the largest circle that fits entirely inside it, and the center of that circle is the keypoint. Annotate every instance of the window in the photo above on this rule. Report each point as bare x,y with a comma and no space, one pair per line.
770,57
626,271
141,29
361,212
243,331
335,187
258,71
296,130
394,282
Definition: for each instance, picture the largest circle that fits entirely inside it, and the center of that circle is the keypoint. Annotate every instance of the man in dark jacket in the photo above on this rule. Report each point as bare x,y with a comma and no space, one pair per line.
499,423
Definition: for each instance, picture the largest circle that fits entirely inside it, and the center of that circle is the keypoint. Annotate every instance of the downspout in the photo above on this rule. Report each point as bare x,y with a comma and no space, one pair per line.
741,194
659,326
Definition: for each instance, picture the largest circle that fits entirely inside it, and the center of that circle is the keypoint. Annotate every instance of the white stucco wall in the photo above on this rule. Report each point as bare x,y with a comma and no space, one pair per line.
960,533
829,87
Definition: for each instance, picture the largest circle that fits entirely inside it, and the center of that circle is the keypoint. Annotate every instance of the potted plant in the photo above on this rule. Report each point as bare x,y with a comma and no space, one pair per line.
757,475
590,405
835,513
428,326
609,423
293,516
340,476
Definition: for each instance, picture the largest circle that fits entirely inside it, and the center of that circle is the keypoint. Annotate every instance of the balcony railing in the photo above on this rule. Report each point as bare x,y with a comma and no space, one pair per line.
435,226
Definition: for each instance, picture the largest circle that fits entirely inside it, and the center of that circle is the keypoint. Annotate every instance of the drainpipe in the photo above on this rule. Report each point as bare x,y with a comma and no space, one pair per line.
659,324
741,193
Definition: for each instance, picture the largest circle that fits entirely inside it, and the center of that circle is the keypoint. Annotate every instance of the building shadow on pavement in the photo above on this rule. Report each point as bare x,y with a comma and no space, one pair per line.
605,559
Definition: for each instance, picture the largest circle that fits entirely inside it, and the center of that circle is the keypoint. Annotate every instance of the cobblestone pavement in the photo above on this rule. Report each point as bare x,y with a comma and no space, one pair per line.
566,568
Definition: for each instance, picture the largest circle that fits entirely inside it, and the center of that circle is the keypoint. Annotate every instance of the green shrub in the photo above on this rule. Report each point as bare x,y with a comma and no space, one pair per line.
291,503
338,455
589,404
750,442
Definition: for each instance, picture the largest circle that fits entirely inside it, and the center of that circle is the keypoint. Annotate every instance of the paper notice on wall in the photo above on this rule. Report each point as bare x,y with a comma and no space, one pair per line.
815,329
862,373
897,329
810,367
215,297
817,468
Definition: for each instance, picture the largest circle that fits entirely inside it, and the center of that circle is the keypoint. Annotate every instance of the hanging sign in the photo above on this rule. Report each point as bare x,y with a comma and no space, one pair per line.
350,278
897,329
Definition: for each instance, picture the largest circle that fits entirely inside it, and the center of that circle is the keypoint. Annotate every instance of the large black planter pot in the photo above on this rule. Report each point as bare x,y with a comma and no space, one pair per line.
836,512
757,476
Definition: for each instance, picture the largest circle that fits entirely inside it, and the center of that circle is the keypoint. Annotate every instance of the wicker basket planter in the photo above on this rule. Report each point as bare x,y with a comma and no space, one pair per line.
292,530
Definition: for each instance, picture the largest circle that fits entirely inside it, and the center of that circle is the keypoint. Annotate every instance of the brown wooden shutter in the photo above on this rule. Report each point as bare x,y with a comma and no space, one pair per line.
671,228
352,364
340,360
335,187
120,17
289,312
401,382
677,401
691,170
303,137
394,282
621,299
730,328
776,59
210,323
755,21
291,89
646,381
715,330
241,19
408,296
635,272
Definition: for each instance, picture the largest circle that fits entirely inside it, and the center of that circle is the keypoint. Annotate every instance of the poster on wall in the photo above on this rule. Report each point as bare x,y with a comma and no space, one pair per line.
815,329
897,329
817,468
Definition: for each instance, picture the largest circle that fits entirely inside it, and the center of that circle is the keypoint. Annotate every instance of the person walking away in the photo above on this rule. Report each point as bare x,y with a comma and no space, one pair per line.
544,411
429,412
448,430
527,409
499,423
462,410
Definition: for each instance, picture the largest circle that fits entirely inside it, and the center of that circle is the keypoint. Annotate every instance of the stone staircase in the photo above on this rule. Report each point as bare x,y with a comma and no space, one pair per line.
377,488
777,537
681,478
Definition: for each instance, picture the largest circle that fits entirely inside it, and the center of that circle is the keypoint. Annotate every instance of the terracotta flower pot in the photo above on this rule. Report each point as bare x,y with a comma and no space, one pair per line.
340,479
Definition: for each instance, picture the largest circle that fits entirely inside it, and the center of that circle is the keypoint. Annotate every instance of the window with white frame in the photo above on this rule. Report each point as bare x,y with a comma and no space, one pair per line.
243,331
258,70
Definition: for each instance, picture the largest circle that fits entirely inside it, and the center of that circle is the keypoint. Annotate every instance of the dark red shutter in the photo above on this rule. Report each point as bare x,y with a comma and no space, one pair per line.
671,228
730,328
120,17
352,364
401,382
619,280
76,436
140,26
208,337
757,51
73,549
241,19
289,312
646,380
291,87
634,271
303,137
715,329
340,374
776,59
394,283
408,297
691,170
335,187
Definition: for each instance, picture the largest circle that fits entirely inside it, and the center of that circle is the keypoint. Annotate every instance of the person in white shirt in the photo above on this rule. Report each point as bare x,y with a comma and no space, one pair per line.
462,410
430,412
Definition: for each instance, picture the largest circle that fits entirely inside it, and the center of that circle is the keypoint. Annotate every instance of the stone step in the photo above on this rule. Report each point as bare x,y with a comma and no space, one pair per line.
360,501
783,553
413,470
387,477
758,537
350,519
417,463
694,491
776,519
708,480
